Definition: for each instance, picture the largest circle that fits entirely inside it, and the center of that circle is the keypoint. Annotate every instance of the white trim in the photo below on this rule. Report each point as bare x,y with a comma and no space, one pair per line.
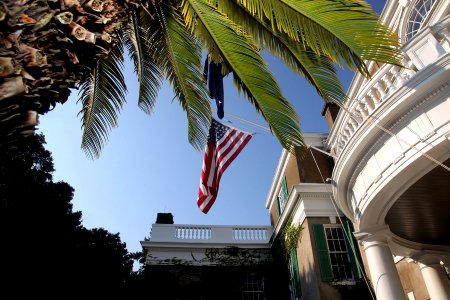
307,200
426,88
168,246
341,227
277,178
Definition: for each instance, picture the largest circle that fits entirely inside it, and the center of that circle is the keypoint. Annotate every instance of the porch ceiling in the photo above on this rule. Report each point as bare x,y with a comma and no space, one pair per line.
422,213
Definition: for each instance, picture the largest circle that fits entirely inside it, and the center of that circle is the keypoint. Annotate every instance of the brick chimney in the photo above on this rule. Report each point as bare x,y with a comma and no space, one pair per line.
164,218
330,111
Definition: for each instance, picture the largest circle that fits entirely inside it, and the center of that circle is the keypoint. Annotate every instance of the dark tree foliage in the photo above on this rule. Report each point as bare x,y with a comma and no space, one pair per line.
220,282
45,250
104,262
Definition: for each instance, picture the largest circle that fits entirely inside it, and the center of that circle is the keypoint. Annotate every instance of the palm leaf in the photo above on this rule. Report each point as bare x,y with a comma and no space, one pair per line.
148,72
318,70
346,31
102,96
179,55
250,72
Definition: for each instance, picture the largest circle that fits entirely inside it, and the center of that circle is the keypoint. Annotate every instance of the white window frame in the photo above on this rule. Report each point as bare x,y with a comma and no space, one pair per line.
418,17
339,281
251,292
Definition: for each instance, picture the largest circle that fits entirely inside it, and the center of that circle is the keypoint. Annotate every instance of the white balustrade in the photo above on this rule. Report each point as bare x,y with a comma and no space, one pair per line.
210,234
192,232
375,91
250,234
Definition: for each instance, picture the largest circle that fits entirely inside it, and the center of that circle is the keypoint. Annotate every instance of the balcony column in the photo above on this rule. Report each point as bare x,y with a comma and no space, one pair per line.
362,110
354,123
397,76
373,95
390,85
383,273
379,87
350,126
369,104
435,278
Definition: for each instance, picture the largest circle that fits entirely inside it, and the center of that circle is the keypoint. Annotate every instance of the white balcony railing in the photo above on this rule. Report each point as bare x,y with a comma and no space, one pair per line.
210,234
424,49
373,95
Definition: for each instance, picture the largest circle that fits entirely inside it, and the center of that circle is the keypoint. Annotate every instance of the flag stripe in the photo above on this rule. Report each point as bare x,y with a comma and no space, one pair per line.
225,156
224,145
234,155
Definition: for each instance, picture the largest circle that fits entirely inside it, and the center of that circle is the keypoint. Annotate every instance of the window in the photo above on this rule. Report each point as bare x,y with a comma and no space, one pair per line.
283,196
253,287
417,17
337,260
340,262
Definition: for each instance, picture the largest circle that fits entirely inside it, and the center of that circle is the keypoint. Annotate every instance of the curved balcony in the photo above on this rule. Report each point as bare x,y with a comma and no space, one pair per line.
393,131
368,95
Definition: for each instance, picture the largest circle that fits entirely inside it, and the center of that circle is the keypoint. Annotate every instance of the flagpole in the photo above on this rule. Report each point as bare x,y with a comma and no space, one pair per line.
268,130
235,127
250,122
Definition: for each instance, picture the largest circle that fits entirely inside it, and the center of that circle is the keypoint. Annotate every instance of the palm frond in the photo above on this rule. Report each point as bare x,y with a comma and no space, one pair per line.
102,96
250,72
179,54
345,31
318,70
148,72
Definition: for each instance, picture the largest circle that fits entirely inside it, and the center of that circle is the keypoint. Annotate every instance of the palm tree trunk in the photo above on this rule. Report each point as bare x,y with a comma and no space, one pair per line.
48,47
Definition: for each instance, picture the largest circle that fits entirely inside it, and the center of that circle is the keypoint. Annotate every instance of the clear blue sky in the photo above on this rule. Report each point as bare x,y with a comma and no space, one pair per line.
148,166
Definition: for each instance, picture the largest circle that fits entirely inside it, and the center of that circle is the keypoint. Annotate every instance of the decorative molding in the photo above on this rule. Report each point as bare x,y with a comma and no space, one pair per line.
378,233
414,250
377,144
276,182
383,137
304,201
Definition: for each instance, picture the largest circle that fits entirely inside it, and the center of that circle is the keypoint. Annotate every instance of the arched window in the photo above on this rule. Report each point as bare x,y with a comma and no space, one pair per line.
418,14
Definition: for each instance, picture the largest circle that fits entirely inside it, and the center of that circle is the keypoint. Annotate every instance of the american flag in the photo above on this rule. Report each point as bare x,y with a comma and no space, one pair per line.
224,145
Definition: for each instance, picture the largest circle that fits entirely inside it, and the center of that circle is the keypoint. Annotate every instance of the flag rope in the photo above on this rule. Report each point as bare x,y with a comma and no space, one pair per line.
358,118
357,259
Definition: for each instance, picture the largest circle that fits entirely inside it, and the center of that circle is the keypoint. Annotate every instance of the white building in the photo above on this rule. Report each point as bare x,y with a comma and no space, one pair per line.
392,149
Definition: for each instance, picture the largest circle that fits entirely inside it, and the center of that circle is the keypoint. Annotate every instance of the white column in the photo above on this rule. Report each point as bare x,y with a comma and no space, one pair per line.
435,279
383,273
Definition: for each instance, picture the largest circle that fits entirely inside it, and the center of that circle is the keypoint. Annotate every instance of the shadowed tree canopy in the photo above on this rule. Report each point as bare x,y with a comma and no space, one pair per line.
48,47
45,248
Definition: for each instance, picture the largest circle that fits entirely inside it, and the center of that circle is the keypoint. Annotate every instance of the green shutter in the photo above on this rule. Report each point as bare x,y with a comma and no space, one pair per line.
277,203
326,272
352,249
294,262
285,189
